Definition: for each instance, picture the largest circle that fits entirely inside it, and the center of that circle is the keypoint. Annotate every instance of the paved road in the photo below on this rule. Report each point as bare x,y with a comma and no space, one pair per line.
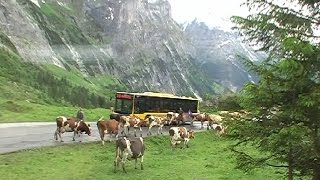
18,136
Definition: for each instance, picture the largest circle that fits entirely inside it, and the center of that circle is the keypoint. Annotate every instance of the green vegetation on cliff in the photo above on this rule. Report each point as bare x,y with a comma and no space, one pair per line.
34,92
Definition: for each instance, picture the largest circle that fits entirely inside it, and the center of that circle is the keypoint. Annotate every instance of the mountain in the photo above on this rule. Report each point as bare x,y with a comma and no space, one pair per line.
219,53
82,51
135,41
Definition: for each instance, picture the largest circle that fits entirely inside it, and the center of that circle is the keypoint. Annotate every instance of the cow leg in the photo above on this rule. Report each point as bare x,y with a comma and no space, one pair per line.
140,131
186,141
210,125
101,136
56,134
135,163
123,162
74,135
116,163
60,137
141,162
149,131
173,142
60,131
202,124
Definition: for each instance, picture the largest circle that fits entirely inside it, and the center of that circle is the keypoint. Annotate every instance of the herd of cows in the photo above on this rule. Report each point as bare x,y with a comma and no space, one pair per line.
133,148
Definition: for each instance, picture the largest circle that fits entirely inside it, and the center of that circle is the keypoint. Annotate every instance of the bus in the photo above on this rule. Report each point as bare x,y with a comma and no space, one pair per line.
151,103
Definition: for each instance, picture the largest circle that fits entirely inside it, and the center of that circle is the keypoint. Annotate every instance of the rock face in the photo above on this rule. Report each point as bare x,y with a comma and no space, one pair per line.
136,41
219,53
28,38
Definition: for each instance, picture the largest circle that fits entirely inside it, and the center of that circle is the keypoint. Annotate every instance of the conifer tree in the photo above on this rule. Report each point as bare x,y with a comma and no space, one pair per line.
284,122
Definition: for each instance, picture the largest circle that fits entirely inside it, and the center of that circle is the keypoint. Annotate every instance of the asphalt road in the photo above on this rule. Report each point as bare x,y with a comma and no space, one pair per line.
18,136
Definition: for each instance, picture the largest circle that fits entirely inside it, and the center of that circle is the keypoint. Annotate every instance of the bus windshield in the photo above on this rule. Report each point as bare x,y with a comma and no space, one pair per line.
123,106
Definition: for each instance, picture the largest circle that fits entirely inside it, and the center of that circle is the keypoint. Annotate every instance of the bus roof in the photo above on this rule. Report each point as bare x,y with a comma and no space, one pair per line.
163,95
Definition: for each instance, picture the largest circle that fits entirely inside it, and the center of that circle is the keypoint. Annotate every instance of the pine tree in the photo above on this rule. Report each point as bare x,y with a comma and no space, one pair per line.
284,105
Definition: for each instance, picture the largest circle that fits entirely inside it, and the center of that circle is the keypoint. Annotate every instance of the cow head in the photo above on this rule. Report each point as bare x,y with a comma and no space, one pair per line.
191,134
124,145
85,128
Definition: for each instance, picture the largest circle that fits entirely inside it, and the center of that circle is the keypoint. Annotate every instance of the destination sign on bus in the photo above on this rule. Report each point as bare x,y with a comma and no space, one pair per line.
124,96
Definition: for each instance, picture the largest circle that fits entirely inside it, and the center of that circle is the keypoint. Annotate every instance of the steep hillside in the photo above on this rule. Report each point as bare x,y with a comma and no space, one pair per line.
219,53
134,42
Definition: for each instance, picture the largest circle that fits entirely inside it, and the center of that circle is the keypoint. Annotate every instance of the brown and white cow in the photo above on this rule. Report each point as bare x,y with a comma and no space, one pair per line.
178,134
220,129
128,121
200,117
171,118
213,119
155,121
71,124
178,119
107,127
129,149
215,122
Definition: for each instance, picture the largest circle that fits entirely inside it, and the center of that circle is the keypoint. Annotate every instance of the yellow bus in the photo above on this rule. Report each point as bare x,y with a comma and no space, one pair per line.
151,103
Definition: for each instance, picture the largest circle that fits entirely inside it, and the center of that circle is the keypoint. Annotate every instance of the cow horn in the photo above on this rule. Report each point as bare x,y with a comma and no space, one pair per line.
100,118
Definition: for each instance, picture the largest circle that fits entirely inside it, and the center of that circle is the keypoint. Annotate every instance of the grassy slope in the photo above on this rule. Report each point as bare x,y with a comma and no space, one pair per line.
22,103
207,158
23,111
102,84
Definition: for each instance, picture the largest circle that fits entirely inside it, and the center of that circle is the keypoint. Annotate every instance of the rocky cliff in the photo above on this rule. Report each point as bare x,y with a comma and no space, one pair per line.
134,41
220,52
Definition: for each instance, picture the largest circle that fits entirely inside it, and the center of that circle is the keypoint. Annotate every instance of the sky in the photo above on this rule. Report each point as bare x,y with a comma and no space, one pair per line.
215,13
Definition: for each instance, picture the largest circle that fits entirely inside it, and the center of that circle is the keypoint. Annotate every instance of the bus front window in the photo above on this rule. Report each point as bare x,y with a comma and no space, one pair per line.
123,106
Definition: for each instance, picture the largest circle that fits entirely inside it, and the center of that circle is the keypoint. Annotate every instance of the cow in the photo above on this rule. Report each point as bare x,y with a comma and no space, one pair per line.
129,121
178,134
182,118
155,121
220,129
213,119
200,117
177,119
215,122
71,124
107,127
171,118
129,149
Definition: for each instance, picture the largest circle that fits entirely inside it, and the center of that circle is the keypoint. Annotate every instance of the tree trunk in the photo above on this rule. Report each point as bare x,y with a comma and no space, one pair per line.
316,172
316,165
290,165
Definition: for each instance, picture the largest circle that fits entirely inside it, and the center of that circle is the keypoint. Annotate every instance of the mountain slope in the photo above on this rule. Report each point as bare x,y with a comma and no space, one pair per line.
134,41
219,53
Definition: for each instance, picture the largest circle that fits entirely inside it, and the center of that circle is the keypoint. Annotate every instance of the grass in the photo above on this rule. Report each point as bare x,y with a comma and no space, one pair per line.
207,158
102,84
24,111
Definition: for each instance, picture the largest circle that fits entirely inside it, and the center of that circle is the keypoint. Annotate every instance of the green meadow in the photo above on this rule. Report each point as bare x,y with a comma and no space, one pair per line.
24,111
208,157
